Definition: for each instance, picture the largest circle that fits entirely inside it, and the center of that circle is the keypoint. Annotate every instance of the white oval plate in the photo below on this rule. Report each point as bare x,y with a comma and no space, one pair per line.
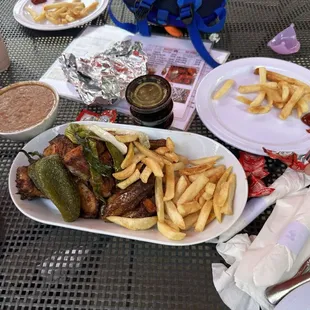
228,119
188,144
25,19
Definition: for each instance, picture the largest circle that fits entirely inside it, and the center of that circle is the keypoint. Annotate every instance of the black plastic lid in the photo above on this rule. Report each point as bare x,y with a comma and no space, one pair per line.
148,92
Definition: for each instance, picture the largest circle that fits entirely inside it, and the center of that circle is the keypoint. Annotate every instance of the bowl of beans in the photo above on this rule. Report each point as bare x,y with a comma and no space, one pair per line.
27,109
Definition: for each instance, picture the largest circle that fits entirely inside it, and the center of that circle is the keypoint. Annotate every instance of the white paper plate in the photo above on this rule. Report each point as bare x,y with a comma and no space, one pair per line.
188,144
25,19
228,119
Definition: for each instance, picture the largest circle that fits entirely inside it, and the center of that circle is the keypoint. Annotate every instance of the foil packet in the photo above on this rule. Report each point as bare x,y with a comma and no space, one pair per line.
291,159
254,167
103,78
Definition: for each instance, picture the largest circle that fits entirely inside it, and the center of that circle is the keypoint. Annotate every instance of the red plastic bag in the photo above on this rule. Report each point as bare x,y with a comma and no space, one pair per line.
254,167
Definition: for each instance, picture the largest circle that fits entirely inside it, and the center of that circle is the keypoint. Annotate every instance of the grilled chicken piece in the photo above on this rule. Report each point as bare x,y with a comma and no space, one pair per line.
77,164
128,199
59,145
107,186
89,203
26,188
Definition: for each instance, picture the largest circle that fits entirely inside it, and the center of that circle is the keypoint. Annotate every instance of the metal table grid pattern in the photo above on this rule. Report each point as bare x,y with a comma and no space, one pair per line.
46,267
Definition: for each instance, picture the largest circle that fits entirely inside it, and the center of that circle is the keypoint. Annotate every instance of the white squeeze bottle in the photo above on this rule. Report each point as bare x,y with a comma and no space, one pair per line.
4,56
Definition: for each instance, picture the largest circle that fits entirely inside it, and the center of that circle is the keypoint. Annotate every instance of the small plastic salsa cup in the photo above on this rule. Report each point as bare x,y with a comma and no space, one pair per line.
150,101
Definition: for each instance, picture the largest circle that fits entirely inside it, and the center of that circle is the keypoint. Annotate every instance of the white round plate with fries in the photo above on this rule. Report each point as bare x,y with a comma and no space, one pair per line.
202,181
57,15
252,108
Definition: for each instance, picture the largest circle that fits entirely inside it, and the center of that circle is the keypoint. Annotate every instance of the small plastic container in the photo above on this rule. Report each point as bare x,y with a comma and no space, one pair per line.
150,101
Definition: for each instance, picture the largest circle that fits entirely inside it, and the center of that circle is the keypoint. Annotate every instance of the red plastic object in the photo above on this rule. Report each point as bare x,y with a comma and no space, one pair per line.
38,1
108,116
254,167
291,159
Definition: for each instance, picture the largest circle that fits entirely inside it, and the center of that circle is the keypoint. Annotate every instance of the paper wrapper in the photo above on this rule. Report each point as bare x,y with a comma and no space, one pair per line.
254,167
291,159
103,78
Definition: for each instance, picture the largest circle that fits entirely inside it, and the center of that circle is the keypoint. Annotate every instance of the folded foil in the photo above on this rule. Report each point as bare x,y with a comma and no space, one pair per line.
103,78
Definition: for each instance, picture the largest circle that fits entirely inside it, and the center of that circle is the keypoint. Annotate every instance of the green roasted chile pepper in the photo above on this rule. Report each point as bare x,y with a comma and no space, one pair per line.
117,156
53,179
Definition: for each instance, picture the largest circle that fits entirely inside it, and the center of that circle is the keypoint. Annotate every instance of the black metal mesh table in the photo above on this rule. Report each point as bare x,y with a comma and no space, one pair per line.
46,267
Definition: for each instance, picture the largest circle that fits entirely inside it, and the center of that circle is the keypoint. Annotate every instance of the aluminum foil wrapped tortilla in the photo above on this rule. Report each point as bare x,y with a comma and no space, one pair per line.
103,78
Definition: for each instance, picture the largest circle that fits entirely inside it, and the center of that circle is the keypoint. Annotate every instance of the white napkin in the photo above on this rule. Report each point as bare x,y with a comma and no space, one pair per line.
275,255
223,278
289,182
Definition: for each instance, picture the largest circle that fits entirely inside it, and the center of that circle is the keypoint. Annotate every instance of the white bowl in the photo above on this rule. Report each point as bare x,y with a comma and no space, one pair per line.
46,123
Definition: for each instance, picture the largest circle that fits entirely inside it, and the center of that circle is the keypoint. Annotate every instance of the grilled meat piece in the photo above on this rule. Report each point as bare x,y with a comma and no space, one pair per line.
139,212
128,199
26,188
107,186
89,203
157,143
106,158
101,148
76,163
59,145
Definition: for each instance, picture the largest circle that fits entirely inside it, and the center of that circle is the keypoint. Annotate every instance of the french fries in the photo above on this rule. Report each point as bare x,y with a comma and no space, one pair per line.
149,153
126,173
188,193
63,13
129,157
170,144
227,207
174,214
169,232
196,169
171,224
205,160
258,100
279,91
132,179
217,199
173,157
159,199
191,192
180,188
154,166
203,216
188,208
143,223
145,174
223,90
162,150
209,191
178,166
170,183
287,109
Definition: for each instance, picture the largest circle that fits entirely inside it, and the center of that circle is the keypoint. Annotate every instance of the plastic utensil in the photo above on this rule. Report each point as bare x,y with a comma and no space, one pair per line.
285,42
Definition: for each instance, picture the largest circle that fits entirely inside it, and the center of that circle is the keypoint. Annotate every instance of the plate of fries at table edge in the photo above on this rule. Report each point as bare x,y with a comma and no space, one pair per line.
160,186
50,15
253,103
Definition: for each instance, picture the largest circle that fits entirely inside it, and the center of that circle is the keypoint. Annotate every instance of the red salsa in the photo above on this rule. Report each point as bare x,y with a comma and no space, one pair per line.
306,119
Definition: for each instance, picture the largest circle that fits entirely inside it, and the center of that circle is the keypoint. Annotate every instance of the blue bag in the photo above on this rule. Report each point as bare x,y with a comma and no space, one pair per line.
196,15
